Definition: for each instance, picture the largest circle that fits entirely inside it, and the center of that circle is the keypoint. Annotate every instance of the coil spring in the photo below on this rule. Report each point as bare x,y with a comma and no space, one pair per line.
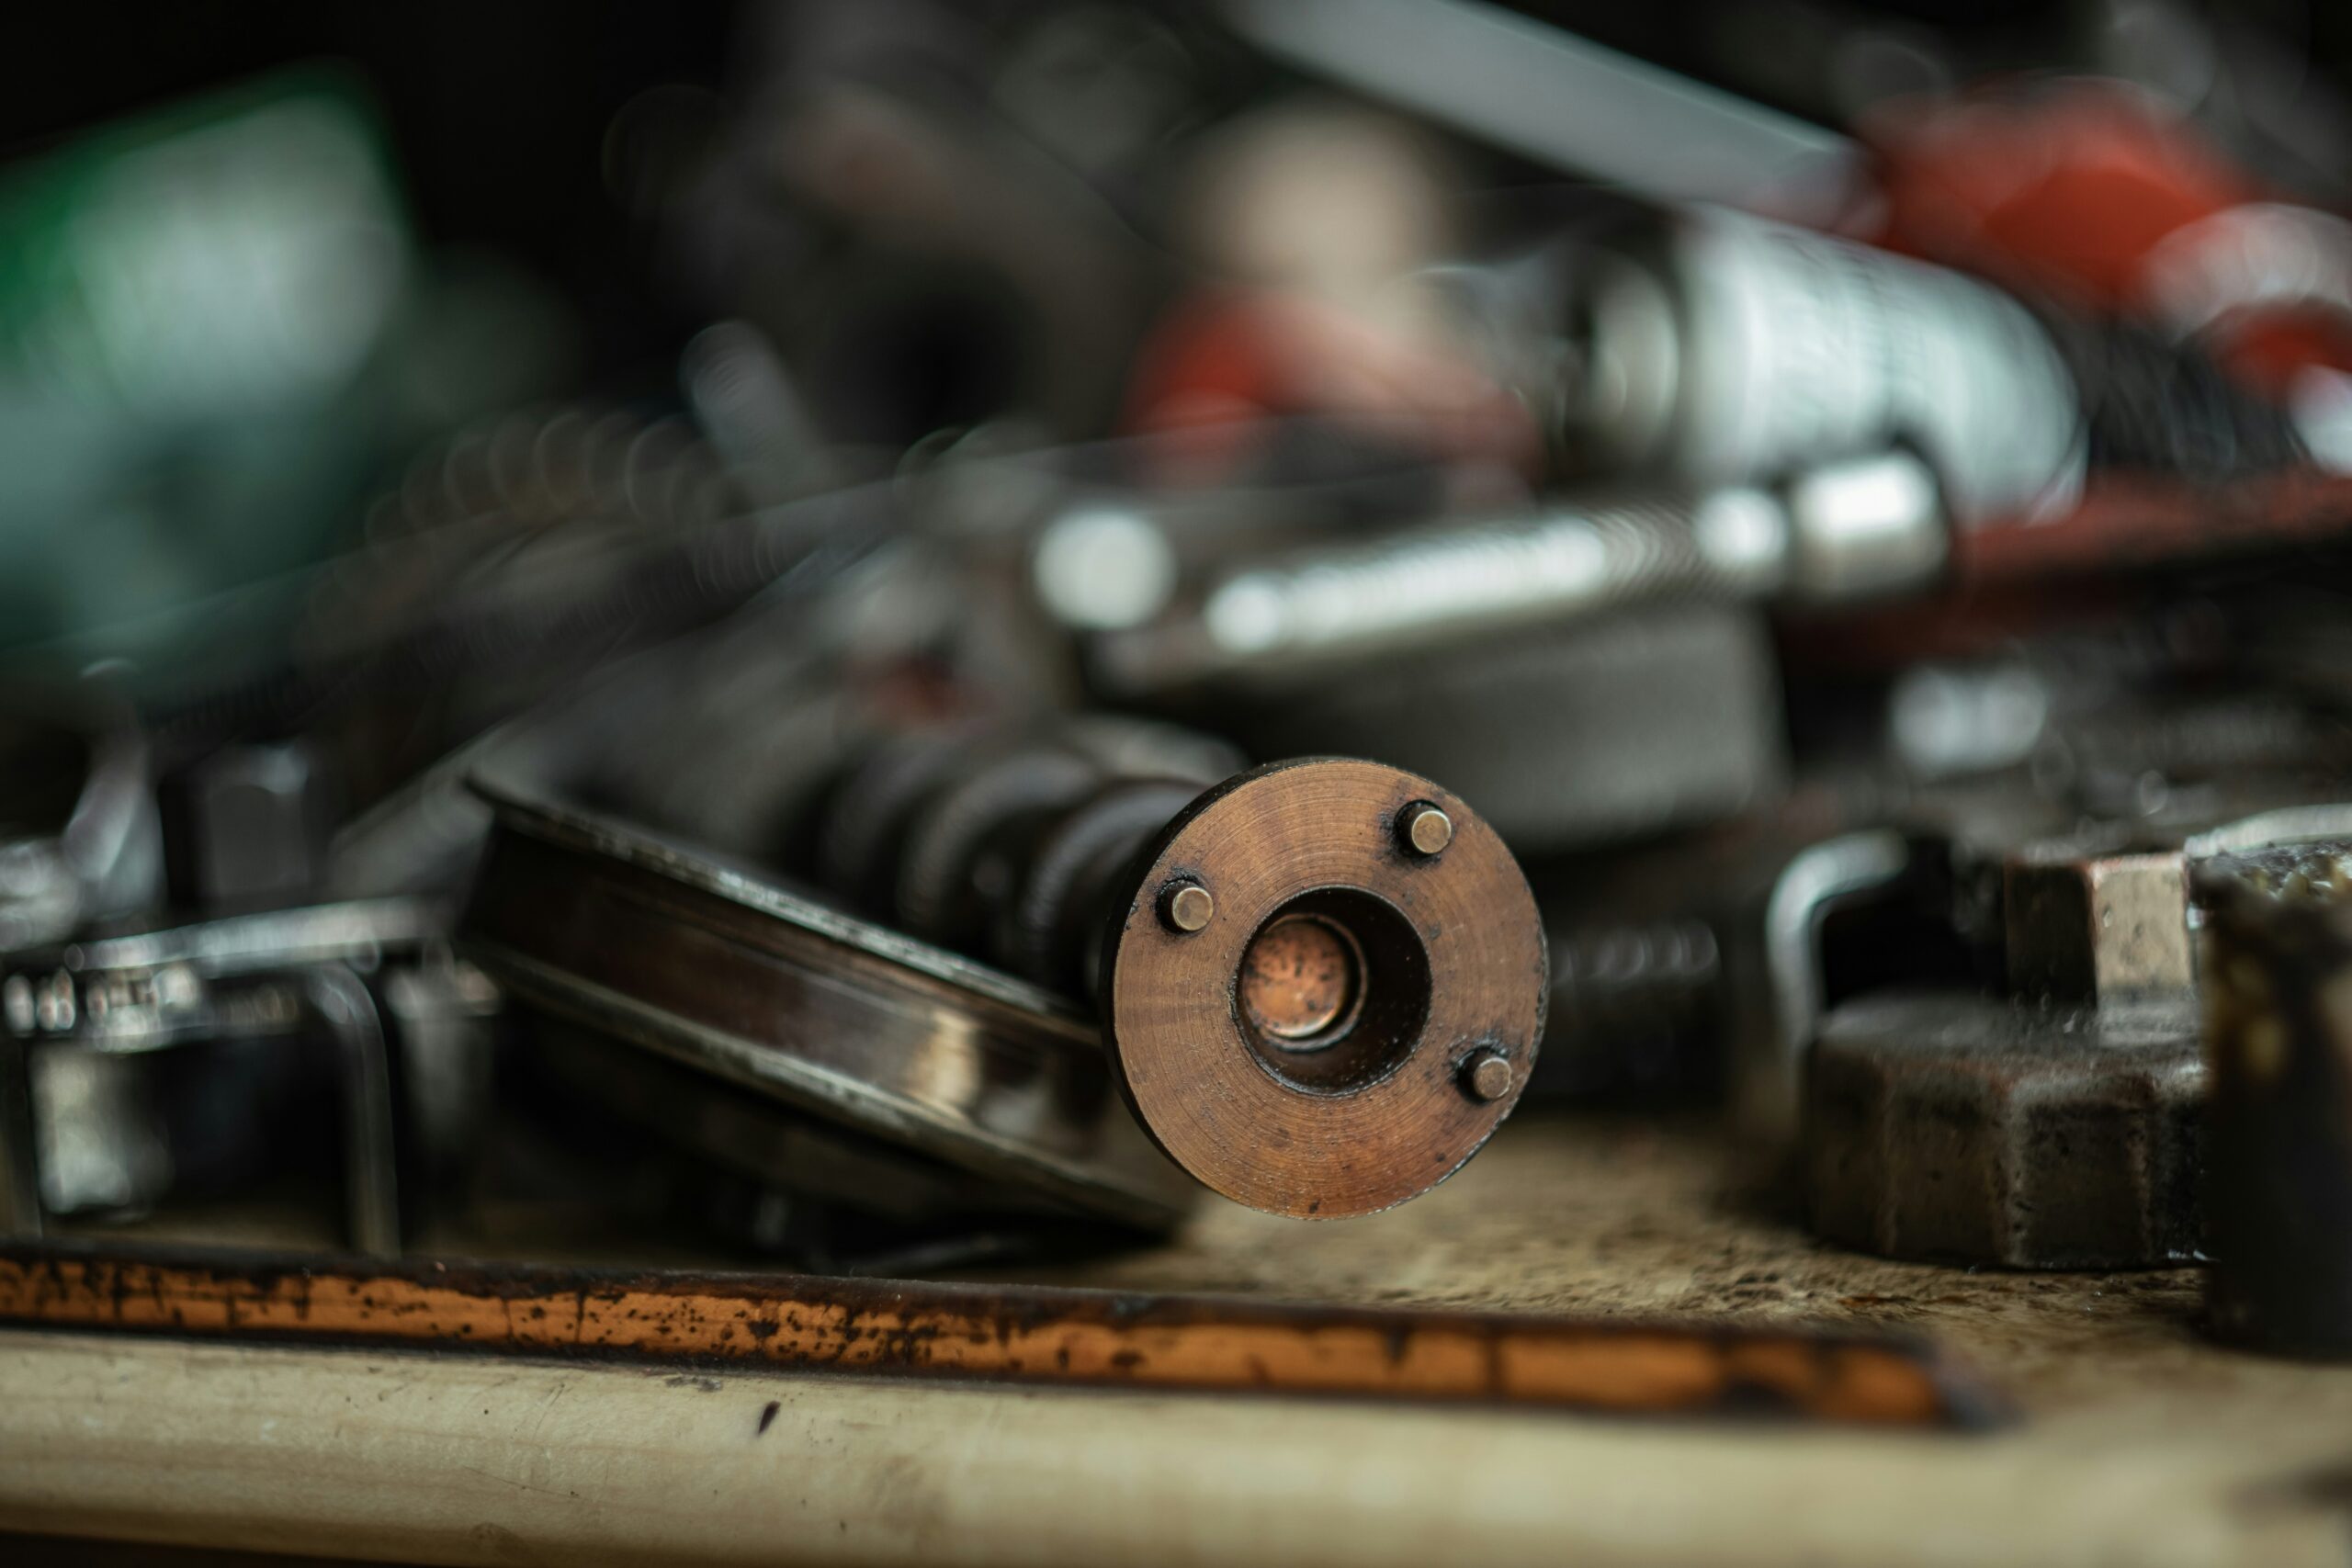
538,539
2163,406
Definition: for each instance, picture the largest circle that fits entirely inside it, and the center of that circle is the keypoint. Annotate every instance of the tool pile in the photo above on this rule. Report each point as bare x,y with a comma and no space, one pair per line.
1826,625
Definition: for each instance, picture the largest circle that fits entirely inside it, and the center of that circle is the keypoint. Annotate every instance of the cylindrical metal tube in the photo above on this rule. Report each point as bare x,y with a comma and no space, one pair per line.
1722,349
1844,530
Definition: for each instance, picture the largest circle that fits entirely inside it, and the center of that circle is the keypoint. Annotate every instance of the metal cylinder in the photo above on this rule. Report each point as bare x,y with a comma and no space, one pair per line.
1321,983
1722,348
1844,530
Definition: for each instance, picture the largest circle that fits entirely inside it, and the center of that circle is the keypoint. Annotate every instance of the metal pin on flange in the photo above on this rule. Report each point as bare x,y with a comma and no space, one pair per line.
1424,830
1185,906
1487,1075
1326,1011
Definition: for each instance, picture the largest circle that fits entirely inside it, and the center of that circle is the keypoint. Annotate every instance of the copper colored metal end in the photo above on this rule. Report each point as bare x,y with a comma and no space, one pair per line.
1303,1052
1302,981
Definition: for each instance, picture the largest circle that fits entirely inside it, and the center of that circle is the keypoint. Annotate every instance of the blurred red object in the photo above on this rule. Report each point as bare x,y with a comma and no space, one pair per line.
2095,194
1226,357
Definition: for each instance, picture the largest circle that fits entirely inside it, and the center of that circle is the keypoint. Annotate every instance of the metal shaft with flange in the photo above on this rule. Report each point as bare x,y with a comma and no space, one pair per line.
1321,982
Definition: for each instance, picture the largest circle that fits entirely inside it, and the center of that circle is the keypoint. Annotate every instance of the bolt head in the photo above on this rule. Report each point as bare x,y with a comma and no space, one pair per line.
1487,1076
1951,1125
2101,928
1186,907
1425,830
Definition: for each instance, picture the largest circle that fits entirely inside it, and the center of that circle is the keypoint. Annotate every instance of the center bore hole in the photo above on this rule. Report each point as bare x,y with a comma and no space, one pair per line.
1302,982
1333,990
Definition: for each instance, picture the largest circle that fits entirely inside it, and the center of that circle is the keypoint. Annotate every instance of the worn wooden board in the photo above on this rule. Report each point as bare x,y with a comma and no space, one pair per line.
1014,1333
1645,1217
2141,1442
477,1460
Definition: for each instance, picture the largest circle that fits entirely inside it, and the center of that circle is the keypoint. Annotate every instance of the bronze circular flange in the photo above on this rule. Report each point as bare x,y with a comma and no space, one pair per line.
1309,1049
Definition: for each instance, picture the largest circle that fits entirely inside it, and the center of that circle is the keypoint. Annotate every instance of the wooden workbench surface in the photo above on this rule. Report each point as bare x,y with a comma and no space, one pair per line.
2138,1440
1629,1216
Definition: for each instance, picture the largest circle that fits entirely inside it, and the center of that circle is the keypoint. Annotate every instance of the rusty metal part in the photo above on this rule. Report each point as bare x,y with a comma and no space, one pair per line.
2053,1128
2278,1037
1298,963
2103,929
1300,1052
2059,1124
1302,982
1025,1335
1982,1130
619,932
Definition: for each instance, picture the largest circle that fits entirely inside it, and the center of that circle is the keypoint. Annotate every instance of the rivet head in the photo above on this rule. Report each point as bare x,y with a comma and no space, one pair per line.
1425,830
1487,1076
1186,907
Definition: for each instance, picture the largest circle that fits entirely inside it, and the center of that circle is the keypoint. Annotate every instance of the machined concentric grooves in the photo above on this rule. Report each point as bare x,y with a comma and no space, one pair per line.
1324,1042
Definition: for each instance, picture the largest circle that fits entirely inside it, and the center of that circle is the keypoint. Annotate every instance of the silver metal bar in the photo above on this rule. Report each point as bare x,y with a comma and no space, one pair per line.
1563,100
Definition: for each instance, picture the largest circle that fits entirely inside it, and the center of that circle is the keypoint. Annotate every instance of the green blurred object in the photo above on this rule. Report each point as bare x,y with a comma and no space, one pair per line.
210,319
